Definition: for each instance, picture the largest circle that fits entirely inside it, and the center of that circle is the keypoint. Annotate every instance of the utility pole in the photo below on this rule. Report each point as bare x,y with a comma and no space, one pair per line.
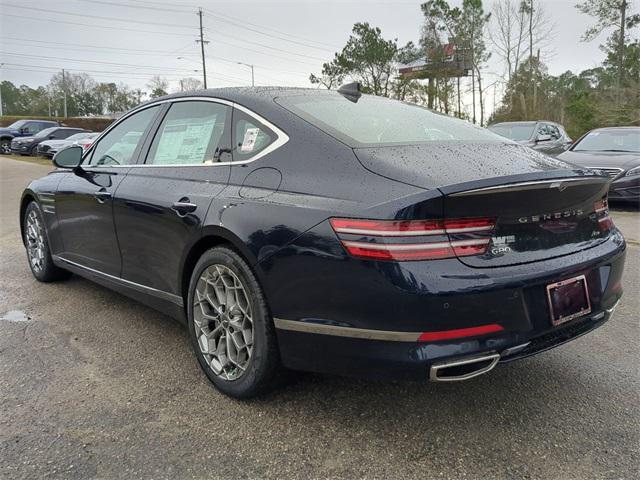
64,93
1,112
250,65
202,41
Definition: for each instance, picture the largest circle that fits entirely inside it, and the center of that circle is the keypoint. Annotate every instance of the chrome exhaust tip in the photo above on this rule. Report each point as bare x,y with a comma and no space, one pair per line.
464,368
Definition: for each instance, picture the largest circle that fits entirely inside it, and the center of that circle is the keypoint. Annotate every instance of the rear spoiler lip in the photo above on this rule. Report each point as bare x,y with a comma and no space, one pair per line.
560,183
523,181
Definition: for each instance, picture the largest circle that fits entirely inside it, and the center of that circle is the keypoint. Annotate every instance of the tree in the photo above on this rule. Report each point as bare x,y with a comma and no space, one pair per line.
611,14
190,84
367,57
158,86
473,30
332,76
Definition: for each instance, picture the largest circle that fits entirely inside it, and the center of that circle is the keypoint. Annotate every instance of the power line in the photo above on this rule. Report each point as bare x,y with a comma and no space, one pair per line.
163,6
47,69
47,57
126,51
115,19
136,30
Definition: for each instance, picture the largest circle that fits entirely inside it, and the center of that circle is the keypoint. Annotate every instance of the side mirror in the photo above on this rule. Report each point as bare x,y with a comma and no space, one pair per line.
51,137
543,138
68,158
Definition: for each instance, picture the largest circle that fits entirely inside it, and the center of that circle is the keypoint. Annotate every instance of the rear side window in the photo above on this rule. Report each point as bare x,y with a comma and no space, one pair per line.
118,146
191,133
374,121
250,136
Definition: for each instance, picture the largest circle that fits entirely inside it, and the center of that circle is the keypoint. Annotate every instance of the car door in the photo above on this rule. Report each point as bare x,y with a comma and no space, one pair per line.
160,205
84,198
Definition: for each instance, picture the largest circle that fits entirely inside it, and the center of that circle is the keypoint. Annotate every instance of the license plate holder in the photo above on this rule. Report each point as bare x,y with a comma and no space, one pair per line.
568,299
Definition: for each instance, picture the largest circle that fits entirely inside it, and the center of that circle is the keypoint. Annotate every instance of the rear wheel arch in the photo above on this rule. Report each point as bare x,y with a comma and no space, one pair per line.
212,237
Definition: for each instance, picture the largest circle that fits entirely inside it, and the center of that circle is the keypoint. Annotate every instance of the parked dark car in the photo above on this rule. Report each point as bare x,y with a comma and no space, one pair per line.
543,136
615,151
28,145
22,128
331,232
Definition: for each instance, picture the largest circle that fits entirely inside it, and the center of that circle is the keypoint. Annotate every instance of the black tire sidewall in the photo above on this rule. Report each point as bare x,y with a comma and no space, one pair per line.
49,271
264,360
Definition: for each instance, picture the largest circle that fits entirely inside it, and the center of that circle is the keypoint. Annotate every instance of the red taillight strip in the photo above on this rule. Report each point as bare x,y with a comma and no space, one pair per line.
460,333
416,251
410,228
386,228
414,246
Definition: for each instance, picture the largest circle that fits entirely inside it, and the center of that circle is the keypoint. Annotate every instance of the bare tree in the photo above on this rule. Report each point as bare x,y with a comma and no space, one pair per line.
190,84
508,34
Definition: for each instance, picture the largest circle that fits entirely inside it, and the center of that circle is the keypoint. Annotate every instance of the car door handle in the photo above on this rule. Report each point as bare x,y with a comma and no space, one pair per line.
102,196
183,206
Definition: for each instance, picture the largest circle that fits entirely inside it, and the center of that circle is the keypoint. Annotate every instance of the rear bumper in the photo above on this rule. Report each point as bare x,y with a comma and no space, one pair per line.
333,320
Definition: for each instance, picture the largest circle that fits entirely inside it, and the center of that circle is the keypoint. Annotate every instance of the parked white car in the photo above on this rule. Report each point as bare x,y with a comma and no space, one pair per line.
50,147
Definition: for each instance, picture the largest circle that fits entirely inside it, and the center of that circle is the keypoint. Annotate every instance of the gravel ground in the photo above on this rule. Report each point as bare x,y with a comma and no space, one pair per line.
93,385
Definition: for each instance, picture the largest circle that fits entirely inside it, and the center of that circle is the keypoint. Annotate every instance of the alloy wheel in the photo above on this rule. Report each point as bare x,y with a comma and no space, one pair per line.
5,147
223,322
35,241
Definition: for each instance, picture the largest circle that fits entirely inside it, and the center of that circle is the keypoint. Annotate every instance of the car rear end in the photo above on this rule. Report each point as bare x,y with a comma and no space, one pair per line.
499,254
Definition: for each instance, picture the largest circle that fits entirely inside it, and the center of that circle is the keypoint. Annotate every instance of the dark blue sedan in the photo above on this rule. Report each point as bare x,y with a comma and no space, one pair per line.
331,231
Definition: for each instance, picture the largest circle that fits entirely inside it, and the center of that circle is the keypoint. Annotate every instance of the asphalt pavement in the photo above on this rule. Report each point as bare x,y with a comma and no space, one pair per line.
94,385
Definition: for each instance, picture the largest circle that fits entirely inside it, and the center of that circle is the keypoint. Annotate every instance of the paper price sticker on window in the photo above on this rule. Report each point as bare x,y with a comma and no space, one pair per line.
249,141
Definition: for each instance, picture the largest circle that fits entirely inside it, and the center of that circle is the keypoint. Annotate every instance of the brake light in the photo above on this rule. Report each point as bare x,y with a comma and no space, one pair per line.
405,246
605,222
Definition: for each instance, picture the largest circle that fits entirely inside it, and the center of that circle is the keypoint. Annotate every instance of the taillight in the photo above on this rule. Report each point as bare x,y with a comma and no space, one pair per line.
414,239
605,222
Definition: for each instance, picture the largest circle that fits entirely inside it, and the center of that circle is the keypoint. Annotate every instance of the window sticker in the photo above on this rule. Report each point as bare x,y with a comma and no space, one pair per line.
184,141
249,141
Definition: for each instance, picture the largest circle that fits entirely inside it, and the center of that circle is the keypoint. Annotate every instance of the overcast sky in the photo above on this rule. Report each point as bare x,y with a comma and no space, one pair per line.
131,40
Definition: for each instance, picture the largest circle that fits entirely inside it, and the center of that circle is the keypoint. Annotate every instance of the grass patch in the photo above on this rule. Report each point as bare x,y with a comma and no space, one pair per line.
37,160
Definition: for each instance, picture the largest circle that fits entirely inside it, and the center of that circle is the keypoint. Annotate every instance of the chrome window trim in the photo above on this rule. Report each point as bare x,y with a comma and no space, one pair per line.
531,185
121,281
282,137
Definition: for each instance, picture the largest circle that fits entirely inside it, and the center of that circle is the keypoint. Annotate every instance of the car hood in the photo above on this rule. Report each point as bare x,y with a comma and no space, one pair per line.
435,164
622,160
7,131
24,139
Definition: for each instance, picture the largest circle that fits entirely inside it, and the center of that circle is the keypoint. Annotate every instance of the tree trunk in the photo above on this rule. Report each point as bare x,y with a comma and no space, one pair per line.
459,108
623,19
430,93
480,98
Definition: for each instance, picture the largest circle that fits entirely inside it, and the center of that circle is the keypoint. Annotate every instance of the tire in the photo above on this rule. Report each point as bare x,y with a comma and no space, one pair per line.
228,320
5,146
37,245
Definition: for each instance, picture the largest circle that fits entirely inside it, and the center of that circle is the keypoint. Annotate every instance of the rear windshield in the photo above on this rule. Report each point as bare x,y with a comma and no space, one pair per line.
375,121
517,132
610,141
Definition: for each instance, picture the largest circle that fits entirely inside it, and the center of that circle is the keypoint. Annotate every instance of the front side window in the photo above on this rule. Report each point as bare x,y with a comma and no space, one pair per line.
191,133
374,120
250,136
32,127
118,146
518,132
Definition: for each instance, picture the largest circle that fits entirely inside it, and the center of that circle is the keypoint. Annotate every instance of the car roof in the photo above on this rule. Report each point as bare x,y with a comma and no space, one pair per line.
250,97
606,129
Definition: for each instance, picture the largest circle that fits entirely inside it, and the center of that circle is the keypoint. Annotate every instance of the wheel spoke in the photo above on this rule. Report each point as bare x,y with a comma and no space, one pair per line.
223,322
